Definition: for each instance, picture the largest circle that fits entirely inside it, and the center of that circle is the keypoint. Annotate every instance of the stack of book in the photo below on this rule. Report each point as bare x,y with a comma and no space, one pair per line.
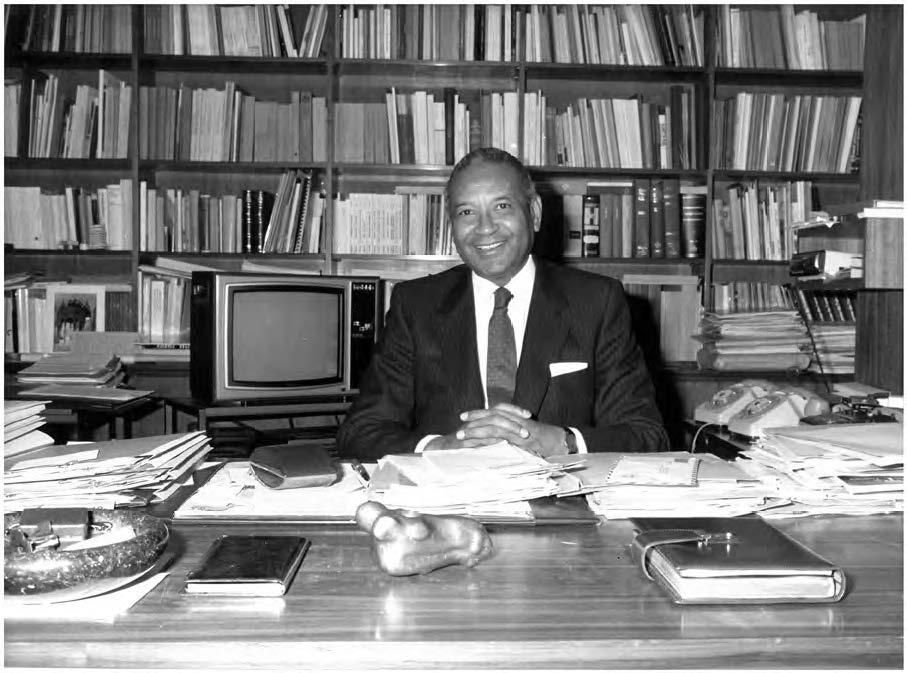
831,469
753,341
123,472
21,422
74,368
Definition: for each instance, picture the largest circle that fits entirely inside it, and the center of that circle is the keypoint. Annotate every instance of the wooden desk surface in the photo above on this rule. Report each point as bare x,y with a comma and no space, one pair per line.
556,597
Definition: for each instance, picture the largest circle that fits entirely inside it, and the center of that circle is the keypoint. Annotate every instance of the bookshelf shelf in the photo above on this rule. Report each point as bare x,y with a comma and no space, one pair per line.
234,64
69,60
840,178
227,167
55,165
614,73
776,78
467,71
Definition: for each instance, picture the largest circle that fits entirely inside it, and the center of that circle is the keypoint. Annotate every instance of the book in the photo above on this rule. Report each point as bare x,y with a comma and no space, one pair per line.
248,565
733,560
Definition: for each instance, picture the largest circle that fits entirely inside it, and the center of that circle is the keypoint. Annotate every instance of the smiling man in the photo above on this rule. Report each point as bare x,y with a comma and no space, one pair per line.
548,363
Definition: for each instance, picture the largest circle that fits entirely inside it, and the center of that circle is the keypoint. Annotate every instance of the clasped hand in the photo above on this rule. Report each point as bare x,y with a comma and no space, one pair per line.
506,422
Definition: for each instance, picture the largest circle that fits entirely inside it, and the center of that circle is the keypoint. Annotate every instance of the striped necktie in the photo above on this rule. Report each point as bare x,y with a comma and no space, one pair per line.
501,364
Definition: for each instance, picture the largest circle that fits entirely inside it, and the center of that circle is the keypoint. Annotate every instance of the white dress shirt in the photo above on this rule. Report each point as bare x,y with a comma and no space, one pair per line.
520,286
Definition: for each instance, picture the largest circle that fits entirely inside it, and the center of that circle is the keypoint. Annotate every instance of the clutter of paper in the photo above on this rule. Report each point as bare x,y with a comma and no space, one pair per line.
830,469
115,473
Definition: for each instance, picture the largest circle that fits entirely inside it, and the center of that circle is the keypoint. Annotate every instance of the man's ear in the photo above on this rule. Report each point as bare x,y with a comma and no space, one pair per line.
535,211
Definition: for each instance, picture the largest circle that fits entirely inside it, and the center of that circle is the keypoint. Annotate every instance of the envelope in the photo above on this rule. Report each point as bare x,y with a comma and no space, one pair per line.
561,368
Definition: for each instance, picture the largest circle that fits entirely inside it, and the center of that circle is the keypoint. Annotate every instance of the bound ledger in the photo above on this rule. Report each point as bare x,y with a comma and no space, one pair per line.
248,565
732,560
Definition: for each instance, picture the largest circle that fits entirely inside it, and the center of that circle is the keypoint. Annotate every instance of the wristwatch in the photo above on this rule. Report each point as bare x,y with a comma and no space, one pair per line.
569,440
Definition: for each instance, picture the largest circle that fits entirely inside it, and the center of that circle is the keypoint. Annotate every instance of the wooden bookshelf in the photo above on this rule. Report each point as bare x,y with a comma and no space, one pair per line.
703,75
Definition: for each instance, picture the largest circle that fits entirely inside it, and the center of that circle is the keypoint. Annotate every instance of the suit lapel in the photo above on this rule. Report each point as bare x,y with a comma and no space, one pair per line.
545,335
456,332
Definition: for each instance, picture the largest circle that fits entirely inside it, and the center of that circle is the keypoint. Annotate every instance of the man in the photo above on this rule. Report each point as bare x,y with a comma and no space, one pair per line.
580,383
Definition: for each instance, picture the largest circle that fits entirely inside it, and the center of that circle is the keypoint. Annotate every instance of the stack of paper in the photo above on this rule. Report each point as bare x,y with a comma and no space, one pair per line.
466,481
835,348
74,368
21,420
760,340
103,474
831,469
668,484
234,493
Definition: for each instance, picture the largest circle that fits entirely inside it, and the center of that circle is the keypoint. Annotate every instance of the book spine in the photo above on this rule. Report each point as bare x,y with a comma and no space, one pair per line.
591,241
641,190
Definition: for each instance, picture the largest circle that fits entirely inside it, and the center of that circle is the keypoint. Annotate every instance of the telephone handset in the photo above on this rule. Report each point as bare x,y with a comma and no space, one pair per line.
729,401
777,409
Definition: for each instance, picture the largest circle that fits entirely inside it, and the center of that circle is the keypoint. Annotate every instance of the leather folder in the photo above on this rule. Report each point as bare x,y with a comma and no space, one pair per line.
293,465
732,560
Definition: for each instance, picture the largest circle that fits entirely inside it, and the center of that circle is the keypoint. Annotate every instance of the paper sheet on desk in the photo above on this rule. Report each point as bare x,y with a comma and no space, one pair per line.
234,493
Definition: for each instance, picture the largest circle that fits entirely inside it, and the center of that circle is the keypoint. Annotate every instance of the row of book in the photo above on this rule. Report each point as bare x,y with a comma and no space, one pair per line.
269,31
254,221
95,29
638,218
420,127
745,296
780,37
405,223
776,132
609,132
827,306
42,316
757,220
189,124
164,301
585,34
98,219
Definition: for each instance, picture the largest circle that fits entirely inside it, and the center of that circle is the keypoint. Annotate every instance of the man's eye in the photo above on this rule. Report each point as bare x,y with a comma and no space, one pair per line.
503,206
464,212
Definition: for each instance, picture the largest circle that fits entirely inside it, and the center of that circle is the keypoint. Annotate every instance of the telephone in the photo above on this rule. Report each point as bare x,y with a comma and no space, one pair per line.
729,401
776,409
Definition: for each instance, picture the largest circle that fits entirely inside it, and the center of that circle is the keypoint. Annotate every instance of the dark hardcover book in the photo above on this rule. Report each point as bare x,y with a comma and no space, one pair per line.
692,224
449,124
591,226
606,222
249,198
204,209
671,211
656,219
405,130
264,204
303,233
732,560
479,51
641,200
678,133
248,565
184,142
305,126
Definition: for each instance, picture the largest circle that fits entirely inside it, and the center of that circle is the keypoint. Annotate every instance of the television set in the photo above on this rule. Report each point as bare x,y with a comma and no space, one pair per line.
259,337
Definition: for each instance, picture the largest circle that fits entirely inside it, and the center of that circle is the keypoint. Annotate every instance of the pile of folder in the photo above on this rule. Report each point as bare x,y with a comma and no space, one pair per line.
835,348
22,420
118,473
489,482
668,484
831,469
753,341
70,368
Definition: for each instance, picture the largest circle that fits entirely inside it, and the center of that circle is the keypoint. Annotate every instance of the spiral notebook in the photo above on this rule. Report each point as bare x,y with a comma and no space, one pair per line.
654,470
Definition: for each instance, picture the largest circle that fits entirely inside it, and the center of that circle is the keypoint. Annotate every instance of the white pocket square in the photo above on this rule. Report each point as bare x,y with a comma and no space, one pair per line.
561,368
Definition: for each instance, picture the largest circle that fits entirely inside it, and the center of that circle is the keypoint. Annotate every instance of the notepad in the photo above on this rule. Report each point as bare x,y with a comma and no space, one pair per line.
654,471
248,565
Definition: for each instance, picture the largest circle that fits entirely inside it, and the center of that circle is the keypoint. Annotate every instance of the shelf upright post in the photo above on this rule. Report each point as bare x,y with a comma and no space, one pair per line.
708,157
333,68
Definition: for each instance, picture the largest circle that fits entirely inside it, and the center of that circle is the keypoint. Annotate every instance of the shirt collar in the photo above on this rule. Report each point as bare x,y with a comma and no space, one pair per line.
519,286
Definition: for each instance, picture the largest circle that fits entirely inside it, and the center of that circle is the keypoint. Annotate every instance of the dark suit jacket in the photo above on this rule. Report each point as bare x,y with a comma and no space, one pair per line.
425,370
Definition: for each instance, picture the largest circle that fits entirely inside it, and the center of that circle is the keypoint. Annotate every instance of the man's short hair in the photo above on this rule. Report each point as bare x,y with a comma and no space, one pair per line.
495,156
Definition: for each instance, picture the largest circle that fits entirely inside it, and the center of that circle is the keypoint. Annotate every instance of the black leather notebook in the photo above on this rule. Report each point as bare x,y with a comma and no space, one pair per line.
733,560
248,565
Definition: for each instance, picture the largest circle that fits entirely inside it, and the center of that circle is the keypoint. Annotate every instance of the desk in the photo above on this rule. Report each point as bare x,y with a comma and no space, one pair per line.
204,413
557,597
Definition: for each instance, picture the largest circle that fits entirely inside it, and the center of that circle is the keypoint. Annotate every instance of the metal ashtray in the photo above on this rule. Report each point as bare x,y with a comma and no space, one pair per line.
62,574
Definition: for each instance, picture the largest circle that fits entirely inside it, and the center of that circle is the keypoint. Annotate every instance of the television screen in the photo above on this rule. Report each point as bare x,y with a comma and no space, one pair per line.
271,327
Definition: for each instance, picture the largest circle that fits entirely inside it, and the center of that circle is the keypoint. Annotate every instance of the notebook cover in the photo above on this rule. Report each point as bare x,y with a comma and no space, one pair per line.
258,565
759,553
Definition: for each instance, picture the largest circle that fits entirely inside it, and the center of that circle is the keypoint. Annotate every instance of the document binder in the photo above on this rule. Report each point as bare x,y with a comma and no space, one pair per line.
732,560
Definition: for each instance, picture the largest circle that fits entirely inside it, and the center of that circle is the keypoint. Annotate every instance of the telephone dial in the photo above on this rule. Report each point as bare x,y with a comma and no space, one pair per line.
727,402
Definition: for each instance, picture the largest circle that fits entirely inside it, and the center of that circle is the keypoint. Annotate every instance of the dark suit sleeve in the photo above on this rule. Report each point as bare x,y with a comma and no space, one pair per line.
380,420
626,417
